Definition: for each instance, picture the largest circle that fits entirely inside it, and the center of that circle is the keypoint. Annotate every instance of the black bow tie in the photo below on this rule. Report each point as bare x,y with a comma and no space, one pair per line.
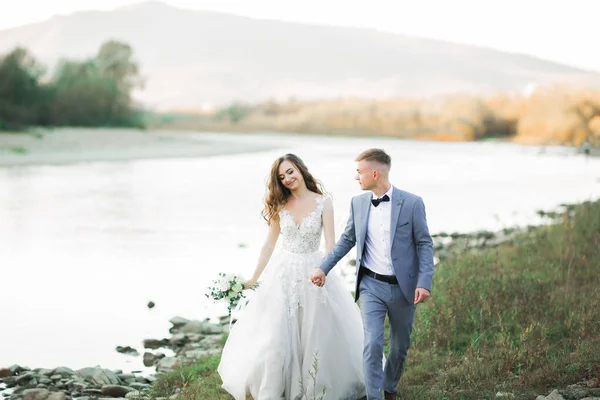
380,200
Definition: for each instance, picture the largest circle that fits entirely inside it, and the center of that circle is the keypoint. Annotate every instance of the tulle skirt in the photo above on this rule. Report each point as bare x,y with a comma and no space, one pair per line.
294,337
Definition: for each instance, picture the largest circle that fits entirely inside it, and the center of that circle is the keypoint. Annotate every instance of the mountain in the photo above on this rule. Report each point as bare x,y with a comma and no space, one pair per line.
191,58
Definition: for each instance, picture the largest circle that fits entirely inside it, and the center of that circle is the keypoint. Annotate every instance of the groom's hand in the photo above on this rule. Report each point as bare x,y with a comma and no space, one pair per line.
318,277
421,295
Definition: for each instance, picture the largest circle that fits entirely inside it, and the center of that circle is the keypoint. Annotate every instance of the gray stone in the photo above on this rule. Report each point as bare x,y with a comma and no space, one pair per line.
56,377
27,377
88,373
196,354
152,359
16,369
192,327
195,337
155,343
79,386
178,339
92,392
115,390
167,364
133,394
139,386
575,392
99,376
36,394
554,395
64,371
178,322
57,396
201,327
10,381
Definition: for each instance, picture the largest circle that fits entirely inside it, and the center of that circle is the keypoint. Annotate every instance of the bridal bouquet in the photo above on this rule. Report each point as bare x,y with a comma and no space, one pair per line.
229,288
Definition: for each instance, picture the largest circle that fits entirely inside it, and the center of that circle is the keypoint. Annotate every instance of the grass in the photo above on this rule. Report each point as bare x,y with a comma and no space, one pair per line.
19,150
198,380
520,318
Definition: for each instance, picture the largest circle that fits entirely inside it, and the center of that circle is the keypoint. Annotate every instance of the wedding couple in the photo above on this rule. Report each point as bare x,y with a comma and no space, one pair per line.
301,314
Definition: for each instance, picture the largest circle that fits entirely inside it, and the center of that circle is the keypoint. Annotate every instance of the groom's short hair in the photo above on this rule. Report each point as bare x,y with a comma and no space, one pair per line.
378,155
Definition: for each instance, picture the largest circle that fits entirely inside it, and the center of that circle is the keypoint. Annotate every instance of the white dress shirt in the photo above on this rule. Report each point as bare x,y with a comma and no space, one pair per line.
377,243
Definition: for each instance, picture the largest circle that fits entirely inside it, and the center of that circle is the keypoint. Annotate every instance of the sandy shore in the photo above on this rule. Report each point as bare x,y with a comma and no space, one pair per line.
74,145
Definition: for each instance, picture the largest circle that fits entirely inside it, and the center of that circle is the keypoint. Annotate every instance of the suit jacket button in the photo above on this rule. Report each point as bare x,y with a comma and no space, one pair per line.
395,258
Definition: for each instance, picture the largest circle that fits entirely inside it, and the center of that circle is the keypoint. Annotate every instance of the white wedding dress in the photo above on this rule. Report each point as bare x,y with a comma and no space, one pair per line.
289,322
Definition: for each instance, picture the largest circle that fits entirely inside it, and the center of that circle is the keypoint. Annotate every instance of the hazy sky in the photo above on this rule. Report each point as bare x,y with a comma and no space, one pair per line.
558,30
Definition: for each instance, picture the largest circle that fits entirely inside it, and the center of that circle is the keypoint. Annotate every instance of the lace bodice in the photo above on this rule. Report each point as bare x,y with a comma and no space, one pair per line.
306,236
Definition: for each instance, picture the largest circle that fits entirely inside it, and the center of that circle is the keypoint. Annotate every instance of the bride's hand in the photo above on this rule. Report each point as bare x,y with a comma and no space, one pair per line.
249,284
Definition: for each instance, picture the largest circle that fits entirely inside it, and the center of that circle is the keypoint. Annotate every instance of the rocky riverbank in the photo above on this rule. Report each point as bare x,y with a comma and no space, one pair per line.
446,244
63,383
190,340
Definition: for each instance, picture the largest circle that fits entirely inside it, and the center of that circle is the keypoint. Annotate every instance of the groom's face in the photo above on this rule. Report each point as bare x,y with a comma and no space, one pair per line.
365,174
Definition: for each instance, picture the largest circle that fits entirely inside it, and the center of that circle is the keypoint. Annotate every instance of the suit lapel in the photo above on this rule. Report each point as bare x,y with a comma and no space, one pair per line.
365,209
397,201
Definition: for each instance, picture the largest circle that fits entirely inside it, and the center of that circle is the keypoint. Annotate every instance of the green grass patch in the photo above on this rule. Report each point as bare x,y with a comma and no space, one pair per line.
19,150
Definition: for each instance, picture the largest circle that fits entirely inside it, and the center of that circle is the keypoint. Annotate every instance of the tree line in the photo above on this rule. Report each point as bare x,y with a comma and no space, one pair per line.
90,92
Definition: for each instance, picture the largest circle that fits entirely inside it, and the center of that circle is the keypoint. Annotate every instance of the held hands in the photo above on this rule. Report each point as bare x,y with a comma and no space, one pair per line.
421,295
318,277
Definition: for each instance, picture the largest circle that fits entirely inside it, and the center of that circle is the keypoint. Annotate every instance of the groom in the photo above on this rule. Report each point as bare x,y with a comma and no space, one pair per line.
394,267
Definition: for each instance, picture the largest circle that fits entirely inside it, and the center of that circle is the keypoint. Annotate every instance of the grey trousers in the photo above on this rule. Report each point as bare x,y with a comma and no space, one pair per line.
376,300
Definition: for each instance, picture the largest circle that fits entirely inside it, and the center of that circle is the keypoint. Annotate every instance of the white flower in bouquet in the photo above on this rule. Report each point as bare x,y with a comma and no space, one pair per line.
223,284
229,288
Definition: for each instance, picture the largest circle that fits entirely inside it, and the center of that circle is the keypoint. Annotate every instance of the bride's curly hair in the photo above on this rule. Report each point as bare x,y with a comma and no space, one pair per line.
278,194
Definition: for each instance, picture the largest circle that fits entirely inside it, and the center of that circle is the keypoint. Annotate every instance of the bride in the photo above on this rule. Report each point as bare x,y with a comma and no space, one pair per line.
295,338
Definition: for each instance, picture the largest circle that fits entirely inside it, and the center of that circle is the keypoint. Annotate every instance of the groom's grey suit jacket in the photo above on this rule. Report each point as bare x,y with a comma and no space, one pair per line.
411,245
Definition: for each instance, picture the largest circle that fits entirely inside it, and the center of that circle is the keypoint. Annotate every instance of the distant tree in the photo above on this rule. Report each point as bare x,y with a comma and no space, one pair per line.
234,113
115,62
97,92
83,97
20,90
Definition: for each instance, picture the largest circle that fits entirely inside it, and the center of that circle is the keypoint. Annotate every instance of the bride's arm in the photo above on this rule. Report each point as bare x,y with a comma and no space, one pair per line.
265,253
328,225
